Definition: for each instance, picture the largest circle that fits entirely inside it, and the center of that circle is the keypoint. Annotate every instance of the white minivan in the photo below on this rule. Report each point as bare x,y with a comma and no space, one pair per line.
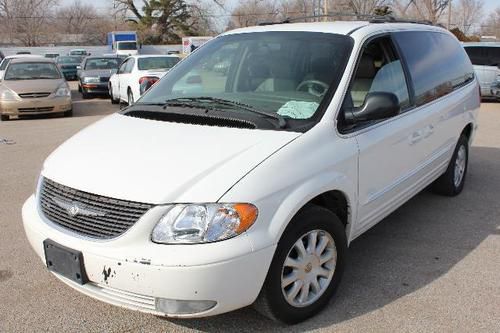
248,185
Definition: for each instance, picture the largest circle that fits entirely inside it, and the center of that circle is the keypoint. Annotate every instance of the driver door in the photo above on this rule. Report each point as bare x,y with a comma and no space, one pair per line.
387,153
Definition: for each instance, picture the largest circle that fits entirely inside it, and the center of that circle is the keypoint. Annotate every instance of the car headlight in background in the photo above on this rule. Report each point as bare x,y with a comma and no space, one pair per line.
91,79
203,223
63,91
8,95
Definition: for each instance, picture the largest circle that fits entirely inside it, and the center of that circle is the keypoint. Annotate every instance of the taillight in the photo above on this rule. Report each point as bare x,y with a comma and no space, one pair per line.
148,79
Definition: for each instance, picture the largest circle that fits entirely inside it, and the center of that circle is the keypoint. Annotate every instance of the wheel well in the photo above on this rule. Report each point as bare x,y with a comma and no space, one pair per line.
336,202
467,131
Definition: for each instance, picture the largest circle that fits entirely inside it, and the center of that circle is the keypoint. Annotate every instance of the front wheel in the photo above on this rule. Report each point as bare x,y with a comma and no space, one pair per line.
113,100
451,183
306,268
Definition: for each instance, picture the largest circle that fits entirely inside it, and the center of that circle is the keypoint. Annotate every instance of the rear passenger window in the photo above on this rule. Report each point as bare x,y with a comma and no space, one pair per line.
437,63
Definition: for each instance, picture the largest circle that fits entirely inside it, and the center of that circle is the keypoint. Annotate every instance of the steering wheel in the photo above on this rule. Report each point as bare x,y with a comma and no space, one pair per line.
312,87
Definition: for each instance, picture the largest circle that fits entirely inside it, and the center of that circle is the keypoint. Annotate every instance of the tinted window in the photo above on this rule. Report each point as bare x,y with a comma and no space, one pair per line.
68,60
102,63
436,61
130,65
127,46
484,55
157,63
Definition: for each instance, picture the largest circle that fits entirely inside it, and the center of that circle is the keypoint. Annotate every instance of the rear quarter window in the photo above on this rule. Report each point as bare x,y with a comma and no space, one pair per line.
436,61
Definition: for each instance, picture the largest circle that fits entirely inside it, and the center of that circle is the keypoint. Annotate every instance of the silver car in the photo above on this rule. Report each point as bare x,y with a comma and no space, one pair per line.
485,57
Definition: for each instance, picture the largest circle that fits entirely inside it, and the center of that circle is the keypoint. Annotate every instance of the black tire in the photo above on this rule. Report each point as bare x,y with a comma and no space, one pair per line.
85,95
271,301
130,97
68,113
446,185
4,117
113,101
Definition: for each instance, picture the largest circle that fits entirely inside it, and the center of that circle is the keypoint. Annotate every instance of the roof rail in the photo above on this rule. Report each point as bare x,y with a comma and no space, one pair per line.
363,17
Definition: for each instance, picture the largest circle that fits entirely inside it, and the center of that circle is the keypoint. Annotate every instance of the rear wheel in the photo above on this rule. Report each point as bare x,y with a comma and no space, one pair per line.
452,182
4,117
306,268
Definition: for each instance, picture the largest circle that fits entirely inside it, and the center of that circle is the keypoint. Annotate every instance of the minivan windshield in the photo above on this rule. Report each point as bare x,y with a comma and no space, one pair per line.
286,74
32,71
126,46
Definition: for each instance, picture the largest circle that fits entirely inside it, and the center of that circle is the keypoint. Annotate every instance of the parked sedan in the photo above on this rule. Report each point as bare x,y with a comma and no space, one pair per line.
93,74
136,74
33,86
68,66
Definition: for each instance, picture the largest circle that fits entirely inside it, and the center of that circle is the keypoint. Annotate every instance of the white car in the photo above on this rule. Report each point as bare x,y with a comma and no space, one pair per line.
125,84
250,188
5,62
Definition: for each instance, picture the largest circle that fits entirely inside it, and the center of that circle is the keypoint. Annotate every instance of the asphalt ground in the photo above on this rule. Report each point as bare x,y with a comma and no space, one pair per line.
431,266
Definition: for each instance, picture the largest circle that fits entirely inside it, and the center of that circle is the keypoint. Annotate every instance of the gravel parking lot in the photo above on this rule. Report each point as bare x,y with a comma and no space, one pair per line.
433,265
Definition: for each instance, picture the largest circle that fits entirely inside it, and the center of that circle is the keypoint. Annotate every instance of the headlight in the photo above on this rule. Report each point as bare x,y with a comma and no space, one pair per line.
9,95
91,79
203,223
63,91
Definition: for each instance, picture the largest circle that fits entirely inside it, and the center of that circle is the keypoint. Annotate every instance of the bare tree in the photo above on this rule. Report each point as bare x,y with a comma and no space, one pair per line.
75,18
366,7
467,14
27,21
431,10
491,26
252,12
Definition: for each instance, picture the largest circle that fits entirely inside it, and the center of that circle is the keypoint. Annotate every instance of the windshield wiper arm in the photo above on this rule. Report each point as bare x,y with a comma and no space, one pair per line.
186,101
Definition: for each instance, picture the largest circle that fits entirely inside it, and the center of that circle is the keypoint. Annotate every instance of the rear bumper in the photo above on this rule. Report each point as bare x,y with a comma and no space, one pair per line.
34,106
95,88
139,284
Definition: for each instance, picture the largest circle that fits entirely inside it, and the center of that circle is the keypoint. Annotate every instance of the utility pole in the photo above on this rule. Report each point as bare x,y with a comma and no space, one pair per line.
325,10
449,14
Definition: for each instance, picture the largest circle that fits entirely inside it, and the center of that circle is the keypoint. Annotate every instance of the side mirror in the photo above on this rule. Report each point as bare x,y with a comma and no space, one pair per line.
78,67
378,105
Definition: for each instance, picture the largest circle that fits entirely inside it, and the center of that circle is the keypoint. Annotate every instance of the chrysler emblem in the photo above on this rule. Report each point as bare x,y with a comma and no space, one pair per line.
74,208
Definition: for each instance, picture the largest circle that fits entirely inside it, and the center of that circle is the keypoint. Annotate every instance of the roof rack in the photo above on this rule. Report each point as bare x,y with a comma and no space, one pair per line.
363,17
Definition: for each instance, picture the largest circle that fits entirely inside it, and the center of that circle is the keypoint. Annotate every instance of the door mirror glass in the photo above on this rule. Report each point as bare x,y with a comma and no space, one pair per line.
377,106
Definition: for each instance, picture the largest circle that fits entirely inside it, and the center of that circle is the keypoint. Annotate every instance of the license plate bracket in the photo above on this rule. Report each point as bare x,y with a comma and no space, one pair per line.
65,261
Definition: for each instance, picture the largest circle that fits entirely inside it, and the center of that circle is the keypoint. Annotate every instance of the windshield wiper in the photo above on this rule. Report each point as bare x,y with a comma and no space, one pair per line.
187,101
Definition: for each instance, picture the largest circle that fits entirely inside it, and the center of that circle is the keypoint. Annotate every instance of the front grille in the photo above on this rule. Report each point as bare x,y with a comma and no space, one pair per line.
88,214
34,95
42,109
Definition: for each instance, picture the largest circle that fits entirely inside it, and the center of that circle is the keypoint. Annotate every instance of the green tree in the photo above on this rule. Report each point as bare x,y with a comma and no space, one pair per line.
160,21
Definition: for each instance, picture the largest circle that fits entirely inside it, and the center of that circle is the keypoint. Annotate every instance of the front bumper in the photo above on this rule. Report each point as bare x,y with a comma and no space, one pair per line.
35,106
95,88
139,279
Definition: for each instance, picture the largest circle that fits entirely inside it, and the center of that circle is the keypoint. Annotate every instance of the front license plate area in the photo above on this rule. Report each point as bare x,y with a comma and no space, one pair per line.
65,261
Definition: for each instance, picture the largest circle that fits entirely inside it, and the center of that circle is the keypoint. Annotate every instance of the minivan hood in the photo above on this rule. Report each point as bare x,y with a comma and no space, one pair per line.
33,86
160,162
